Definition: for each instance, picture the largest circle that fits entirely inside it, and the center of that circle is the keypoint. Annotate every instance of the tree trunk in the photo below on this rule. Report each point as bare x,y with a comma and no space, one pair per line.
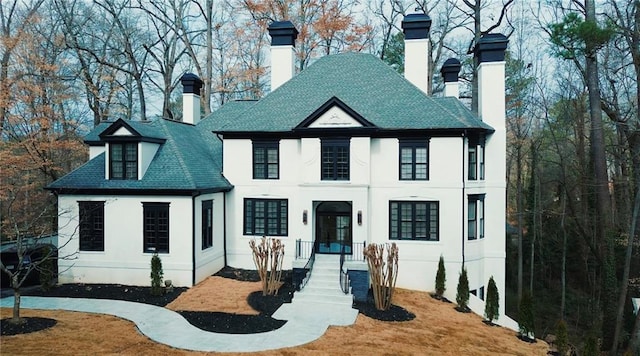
563,275
625,274
520,219
16,301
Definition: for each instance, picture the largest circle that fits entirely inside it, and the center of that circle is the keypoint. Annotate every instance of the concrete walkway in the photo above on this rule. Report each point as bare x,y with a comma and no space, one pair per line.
306,322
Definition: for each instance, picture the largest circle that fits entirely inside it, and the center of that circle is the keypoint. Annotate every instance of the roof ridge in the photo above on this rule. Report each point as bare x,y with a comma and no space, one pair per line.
178,152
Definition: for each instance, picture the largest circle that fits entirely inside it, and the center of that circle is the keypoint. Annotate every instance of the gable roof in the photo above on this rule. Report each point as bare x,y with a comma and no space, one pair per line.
363,83
188,161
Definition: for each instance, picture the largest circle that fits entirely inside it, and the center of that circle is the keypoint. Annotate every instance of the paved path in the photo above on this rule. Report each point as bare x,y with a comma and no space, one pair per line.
305,323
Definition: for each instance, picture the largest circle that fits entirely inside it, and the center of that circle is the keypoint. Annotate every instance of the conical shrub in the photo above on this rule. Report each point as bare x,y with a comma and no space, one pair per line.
462,296
441,278
492,304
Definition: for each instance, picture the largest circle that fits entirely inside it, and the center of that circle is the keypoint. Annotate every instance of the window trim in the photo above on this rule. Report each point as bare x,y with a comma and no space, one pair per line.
413,144
123,160
476,169
479,216
155,207
266,145
334,144
95,240
431,204
281,220
207,224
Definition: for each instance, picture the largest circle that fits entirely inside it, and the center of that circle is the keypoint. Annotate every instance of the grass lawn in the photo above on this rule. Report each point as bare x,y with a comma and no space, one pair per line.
437,330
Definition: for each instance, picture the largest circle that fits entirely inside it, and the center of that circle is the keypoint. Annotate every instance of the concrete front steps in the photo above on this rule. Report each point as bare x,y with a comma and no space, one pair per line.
322,295
323,285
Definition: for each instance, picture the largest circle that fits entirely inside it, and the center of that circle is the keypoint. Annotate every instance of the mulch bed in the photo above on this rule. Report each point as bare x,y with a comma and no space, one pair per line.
109,291
394,313
209,321
28,325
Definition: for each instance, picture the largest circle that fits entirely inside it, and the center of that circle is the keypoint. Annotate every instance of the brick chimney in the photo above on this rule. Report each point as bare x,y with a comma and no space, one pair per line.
450,70
191,85
283,40
416,49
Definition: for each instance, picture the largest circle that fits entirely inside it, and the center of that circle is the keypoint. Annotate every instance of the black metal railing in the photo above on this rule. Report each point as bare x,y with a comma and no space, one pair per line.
308,267
304,249
357,251
344,277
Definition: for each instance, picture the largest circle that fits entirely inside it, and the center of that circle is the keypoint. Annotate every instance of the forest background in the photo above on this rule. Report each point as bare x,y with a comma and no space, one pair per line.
573,160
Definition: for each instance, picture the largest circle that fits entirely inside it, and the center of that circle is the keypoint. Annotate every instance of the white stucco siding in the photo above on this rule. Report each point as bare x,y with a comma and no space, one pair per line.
445,166
209,260
419,259
123,260
491,108
147,152
95,151
238,251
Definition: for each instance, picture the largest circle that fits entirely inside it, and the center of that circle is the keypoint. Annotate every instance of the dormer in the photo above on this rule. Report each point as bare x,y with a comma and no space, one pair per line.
128,152
334,114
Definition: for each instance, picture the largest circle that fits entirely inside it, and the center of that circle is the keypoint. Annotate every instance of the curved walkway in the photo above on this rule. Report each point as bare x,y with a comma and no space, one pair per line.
306,322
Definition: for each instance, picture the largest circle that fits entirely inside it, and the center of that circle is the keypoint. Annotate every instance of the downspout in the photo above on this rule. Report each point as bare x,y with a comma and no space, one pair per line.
224,208
464,134
224,226
193,238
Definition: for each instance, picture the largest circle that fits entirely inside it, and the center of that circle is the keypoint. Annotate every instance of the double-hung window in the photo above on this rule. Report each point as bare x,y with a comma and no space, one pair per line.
475,157
156,227
207,224
475,217
91,227
413,220
414,159
123,160
265,217
335,159
266,160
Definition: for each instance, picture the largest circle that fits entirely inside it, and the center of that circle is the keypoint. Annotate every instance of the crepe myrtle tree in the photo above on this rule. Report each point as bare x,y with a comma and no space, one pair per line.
30,248
267,257
382,260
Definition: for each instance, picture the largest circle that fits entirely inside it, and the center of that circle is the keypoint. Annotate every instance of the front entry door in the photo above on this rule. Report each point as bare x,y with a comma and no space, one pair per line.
333,229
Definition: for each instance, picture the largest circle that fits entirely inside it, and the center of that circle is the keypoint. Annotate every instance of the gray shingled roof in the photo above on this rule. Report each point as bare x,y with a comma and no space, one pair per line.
365,84
188,160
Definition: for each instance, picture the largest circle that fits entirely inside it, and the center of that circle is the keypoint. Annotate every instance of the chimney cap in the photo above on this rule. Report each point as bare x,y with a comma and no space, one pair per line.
283,33
491,48
450,70
191,84
416,26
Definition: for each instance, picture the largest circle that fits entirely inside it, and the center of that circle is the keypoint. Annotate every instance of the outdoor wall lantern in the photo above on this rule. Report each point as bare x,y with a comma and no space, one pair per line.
359,217
304,217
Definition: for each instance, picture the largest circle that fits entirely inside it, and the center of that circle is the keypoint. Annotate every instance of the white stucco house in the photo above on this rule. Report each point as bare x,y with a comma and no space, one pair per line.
346,153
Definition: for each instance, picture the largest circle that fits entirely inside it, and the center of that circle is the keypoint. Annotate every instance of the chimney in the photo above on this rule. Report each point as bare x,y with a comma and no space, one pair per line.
416,50
489,53
191,85
283,40
450,70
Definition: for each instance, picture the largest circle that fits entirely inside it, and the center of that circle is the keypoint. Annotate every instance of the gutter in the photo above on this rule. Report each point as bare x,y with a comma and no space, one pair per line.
193,238
224,227
463,198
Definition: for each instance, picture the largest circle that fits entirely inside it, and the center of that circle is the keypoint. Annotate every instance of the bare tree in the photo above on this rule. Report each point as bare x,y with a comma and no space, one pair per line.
473,10
88,38
165,48
13,20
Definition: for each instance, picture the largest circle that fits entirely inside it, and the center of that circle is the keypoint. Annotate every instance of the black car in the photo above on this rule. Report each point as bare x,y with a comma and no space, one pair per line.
10,260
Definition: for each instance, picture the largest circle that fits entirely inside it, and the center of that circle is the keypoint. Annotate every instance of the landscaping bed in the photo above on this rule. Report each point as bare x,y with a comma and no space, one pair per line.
238,322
